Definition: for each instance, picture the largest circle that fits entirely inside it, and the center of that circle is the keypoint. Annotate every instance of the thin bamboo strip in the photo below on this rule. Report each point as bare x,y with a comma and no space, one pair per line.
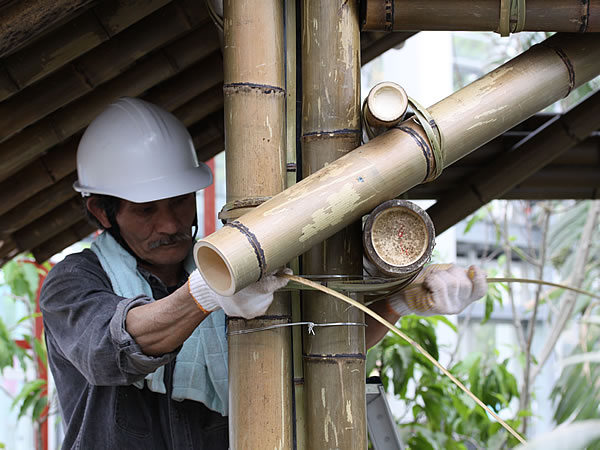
334,358
260,373
506,171
479,15
320,205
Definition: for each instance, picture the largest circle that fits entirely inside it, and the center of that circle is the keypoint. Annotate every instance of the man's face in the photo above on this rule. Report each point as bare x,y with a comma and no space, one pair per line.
158,232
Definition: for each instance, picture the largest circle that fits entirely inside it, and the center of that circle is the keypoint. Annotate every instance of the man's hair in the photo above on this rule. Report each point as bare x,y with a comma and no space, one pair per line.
108,203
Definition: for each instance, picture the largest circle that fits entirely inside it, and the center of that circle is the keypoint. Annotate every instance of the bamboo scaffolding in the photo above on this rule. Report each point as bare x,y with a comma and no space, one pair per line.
481,15
525,158
334,358
322,204
260,372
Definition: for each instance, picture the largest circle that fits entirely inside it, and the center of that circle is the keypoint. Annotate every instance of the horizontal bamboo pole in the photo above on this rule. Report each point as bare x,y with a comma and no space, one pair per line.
24,20
373,44
479,15
17,152
526,158
201,106
76,37
38,205
49,224
94,68
318,206
55,244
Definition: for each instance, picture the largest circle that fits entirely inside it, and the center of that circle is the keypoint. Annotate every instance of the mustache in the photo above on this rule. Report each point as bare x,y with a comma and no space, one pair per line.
170,239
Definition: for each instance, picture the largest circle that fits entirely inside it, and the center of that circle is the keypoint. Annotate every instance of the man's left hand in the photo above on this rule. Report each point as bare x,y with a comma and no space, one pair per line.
440,289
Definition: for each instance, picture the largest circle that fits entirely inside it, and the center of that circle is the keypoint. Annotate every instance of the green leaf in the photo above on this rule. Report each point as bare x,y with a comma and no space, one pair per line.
38,408
479,215
40,350
28,388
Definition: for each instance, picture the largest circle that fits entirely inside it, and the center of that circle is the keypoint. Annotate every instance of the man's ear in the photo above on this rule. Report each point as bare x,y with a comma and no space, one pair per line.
97,211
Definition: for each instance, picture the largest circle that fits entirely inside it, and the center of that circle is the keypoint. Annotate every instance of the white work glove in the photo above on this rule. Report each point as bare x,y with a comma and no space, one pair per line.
440,289
250,302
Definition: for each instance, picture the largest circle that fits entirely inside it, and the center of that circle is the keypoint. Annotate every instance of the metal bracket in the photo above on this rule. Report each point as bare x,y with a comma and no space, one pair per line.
382,427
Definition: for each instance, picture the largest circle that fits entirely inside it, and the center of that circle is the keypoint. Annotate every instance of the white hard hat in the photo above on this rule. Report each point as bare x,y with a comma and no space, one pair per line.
139,152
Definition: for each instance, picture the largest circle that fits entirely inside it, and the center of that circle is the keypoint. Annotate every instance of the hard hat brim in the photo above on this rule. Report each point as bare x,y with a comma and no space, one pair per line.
182,183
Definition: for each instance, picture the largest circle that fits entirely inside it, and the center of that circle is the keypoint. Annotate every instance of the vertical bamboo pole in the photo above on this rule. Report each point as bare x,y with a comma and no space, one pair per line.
334,358
260,405
292,9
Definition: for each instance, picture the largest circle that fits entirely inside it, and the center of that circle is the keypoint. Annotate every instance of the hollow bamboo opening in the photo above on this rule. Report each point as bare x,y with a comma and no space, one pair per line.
212,266
386,105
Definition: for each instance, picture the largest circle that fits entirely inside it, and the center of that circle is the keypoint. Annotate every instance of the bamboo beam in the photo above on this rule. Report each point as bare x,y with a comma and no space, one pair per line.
38,205
254,101
201,106
76,232
24,20
49,225
574,16
334,358
379,43
526,158
392,163
75,38
96,67
17,152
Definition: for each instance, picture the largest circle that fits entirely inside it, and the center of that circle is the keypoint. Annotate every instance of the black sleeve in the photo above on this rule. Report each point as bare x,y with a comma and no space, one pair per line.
84,322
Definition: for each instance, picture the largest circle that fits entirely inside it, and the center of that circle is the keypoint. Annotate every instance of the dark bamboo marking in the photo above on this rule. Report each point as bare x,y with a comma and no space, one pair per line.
253,240
565,59
265,88
423,145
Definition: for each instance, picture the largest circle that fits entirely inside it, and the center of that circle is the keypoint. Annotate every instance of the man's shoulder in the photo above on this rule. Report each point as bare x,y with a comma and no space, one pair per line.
77,270
85,260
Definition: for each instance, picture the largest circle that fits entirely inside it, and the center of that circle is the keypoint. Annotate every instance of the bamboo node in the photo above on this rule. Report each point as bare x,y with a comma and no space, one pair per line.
253,240
565,59
233,88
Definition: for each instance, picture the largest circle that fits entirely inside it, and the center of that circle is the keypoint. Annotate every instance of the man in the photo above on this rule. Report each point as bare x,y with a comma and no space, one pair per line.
136,340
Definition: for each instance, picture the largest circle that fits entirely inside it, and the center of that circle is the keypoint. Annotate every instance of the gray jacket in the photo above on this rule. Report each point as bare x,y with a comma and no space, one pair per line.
94,362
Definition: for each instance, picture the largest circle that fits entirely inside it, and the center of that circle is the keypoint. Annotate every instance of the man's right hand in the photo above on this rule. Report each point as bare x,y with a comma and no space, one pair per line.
250,302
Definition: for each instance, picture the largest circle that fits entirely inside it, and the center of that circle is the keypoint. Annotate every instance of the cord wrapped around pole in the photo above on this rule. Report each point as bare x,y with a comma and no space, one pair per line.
335,196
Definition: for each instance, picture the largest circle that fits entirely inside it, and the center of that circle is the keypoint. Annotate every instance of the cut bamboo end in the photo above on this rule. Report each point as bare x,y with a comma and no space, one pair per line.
386,105
398,238
213,267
